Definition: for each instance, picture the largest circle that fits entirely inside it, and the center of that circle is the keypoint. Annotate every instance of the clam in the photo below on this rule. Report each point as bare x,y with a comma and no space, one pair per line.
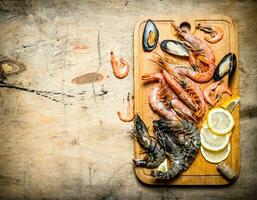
226,65
150,36
174,47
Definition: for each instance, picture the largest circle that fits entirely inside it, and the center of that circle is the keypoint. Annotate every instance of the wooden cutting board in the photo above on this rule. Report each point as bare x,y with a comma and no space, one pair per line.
200,172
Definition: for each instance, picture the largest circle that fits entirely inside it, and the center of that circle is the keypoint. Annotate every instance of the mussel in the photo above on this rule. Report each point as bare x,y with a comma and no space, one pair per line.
150,36
227,65
174,47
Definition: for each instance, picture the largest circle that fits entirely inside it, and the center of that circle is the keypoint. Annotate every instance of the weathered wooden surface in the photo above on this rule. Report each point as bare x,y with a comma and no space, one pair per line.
76,147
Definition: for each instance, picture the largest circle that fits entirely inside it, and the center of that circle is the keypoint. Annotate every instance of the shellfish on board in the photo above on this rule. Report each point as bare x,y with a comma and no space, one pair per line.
227,65
150,36
174,47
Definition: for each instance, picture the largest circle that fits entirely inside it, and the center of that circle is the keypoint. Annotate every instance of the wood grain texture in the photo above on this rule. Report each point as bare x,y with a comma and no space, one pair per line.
200,172
49,150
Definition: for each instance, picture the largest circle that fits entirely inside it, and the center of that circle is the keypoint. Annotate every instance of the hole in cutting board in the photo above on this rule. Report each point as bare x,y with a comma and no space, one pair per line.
185,26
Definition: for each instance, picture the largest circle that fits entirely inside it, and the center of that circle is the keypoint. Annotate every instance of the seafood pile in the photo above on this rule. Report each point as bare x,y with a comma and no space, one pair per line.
181,95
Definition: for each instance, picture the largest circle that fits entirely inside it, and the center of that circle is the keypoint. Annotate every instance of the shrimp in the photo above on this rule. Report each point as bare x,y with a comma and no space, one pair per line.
162,97
182,110
213,92
180,91
188,91
130,113
181,141
159,106
216,33
120,67
199,97
156,154
166,92
202,51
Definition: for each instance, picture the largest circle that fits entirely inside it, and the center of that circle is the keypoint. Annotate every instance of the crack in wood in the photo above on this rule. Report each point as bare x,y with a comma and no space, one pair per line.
41,93
103,92
99,62
64,63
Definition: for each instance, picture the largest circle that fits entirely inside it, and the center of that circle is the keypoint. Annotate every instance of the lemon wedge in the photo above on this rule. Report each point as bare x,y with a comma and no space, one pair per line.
215,156
220,121
163,167
213,142
231,104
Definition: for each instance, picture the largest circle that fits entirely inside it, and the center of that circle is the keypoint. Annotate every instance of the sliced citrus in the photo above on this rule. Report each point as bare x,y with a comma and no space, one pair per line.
163,167
213,142
220,121
215,156
231,104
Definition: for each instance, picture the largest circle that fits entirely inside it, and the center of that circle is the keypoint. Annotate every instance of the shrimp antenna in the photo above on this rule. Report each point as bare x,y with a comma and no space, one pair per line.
162,62
173,24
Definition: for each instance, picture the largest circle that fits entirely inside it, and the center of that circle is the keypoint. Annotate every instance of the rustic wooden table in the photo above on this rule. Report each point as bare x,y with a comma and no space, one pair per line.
60,137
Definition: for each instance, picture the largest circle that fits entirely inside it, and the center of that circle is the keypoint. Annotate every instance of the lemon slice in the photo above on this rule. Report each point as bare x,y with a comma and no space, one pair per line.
163,167
215,156
211,141
220,121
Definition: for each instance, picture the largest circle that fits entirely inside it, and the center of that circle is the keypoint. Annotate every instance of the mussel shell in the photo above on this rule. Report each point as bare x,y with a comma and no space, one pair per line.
232,69
226,65
174,47
150,28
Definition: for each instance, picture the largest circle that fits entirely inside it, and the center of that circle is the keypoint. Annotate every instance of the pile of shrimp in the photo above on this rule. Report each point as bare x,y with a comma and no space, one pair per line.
178,99
177,92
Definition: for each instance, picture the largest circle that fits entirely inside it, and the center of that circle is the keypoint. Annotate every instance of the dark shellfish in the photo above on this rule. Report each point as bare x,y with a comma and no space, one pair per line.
150,36
174,47
227,65
232,69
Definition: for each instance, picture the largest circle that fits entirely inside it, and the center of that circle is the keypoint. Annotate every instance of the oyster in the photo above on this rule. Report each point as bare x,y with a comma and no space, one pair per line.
174,47
226,65
150,36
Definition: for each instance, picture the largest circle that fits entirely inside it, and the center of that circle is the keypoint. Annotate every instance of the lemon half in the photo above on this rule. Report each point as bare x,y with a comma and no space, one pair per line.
213,142
220,121
215,156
